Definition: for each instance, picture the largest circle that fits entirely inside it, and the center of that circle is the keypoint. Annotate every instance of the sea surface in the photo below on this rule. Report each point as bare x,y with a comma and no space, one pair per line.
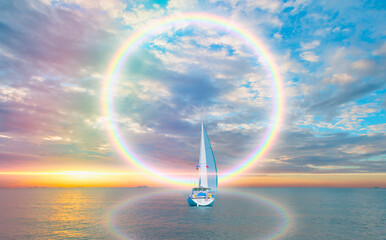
160,213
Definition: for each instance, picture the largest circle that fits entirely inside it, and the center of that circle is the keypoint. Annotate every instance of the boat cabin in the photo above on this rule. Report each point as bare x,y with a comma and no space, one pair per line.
200,192
200,189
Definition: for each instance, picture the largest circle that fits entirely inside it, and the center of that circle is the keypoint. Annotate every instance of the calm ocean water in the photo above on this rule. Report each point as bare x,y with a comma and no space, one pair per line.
154,213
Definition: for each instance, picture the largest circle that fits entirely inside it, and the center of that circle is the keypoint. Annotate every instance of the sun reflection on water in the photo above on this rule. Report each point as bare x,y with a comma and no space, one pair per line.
70,209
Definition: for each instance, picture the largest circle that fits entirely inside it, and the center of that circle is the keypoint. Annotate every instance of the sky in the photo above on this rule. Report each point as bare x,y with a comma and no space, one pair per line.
53,61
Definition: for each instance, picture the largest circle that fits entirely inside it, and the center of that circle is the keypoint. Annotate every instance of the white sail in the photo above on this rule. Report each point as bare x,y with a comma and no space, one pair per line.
208,169
202,172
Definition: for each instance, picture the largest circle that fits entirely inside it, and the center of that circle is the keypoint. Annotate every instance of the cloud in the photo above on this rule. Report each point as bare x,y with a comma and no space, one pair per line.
12,94
328,153
278,36
152,90
378,128
309,56
347,96
9,158
113,8
140,16
364,66
351,118
271,6
181,5
296,5
380,51
310,45
340,78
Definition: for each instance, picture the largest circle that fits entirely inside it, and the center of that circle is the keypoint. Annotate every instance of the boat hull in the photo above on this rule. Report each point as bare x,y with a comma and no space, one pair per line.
200,202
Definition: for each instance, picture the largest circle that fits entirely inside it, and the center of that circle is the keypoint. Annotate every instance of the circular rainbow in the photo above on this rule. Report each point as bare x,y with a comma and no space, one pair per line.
265,58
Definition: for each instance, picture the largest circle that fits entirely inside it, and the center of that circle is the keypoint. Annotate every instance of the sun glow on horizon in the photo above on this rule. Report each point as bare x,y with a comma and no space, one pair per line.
13,179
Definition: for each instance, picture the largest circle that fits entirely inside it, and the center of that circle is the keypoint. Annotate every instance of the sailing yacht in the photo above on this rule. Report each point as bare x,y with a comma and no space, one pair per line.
204,193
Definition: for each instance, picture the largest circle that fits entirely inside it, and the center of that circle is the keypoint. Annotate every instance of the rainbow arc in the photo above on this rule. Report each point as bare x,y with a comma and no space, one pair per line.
261,51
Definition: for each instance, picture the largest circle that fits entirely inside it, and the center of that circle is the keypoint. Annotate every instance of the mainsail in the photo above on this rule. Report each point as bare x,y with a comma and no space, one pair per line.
207,165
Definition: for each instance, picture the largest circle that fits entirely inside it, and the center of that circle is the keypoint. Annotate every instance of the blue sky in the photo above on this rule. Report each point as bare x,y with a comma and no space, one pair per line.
331,54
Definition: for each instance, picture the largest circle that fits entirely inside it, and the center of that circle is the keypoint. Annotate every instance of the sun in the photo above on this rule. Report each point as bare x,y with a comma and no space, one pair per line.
79,174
